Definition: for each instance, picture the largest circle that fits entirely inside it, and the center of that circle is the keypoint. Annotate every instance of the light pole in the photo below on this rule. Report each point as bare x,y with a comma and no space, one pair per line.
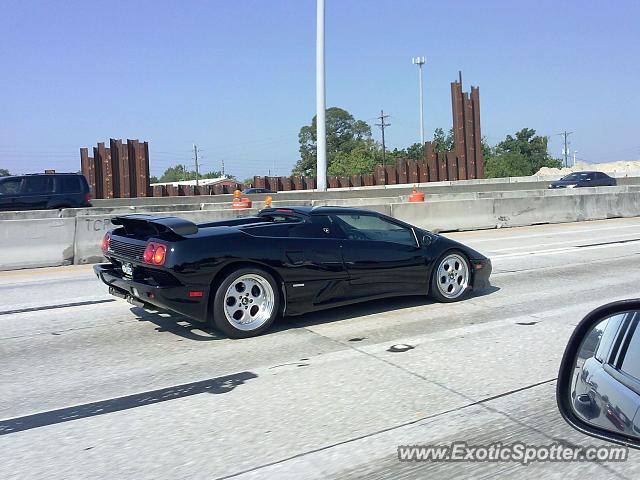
419,61
321,131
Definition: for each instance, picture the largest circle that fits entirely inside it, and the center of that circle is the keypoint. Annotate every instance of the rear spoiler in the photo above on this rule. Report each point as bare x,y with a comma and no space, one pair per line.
140,223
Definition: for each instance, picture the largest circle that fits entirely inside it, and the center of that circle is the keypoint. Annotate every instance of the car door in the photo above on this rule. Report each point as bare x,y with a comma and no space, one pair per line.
382,256
315,273
36,192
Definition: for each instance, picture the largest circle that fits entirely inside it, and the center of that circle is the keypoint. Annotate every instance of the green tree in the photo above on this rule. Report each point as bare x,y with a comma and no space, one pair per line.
179,173
510,164
520,155
344,134
4,172
363,158
442,142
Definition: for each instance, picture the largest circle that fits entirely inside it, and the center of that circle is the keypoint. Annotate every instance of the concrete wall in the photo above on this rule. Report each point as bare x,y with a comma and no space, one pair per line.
29,242
36,243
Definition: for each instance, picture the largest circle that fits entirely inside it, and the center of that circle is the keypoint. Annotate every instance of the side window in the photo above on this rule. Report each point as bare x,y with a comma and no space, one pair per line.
631,360
609,332
11,186
38,184
318,226
372,227
69,184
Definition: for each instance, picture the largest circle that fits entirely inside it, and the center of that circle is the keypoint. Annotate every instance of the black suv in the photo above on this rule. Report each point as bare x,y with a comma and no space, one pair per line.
44,190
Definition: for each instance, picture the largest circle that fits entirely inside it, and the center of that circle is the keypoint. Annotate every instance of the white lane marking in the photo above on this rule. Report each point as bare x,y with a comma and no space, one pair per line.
565,242
558,251
548,234
575,312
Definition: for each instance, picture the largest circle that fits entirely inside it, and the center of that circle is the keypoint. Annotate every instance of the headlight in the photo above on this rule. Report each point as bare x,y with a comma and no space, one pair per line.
572,186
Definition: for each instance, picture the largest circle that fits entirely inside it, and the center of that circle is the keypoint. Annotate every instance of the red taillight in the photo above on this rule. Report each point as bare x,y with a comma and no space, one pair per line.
87,197
155,253
147,256
105,242
196,293
159,254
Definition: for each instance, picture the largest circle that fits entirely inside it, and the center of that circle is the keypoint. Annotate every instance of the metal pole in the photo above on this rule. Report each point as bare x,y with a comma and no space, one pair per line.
321,132
195,152
420,61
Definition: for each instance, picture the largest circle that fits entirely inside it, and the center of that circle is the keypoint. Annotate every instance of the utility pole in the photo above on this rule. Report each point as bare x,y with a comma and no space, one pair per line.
565,134
223,167
195,154
321,128
419,61
382,126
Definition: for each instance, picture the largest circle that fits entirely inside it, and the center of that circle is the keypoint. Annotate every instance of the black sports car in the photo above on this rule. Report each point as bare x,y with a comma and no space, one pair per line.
241,274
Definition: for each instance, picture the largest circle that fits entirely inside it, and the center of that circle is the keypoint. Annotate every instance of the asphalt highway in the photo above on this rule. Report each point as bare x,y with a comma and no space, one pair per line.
92,387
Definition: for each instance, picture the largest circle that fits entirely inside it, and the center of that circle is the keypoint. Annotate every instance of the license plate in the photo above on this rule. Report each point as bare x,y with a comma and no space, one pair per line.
127,269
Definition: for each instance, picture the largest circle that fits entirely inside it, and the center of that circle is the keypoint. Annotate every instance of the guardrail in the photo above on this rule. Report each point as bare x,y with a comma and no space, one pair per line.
36,242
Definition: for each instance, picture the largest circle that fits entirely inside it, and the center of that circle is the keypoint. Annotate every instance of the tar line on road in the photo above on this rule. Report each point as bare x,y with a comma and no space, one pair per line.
51,307
214,385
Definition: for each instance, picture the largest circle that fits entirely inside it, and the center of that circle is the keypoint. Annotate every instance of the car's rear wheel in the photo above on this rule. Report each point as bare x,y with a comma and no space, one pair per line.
450,277
246,303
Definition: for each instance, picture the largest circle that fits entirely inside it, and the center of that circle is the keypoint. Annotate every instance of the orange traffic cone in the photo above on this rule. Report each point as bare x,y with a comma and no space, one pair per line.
237,202
416,196
267,201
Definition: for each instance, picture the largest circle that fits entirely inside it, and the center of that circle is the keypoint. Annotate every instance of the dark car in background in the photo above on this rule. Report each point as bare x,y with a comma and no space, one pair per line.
584,179
44,191
249,191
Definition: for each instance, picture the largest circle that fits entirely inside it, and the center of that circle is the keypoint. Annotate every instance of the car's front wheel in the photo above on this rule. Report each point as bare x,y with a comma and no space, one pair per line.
450,278
246,303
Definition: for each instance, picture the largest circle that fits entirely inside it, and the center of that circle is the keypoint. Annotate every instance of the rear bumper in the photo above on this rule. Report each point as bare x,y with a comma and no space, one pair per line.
141,294
481,273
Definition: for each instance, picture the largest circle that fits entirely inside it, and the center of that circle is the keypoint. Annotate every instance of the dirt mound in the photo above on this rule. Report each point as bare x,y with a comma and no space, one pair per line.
622,168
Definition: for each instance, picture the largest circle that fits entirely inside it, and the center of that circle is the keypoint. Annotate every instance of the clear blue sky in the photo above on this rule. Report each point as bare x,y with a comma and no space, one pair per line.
237,77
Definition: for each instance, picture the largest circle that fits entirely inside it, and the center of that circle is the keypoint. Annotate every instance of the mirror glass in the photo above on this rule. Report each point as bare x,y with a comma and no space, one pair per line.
605,385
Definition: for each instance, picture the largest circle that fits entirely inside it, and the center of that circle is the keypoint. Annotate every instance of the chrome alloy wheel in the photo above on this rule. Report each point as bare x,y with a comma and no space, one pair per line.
249,302
453,276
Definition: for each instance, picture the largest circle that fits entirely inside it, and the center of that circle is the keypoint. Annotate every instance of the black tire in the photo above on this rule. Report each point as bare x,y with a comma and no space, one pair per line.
264,316
434,288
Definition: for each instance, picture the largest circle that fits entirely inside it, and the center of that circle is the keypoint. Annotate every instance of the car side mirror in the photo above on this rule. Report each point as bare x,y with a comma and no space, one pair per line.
598,387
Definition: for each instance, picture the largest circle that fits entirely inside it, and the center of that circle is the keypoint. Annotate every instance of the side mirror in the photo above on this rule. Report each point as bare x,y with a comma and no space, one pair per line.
598,388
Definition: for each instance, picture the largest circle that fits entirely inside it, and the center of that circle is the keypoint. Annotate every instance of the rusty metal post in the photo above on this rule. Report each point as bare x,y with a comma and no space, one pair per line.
104,159
452,166
477,135
88,170
468,137
442,167
458,129
431,161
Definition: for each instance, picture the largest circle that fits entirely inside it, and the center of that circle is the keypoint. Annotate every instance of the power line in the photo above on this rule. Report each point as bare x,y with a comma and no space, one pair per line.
195,155
382,126
565,151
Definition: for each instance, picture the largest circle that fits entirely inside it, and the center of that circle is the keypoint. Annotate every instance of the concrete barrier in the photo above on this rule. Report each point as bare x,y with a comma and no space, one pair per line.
36,243
447,215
